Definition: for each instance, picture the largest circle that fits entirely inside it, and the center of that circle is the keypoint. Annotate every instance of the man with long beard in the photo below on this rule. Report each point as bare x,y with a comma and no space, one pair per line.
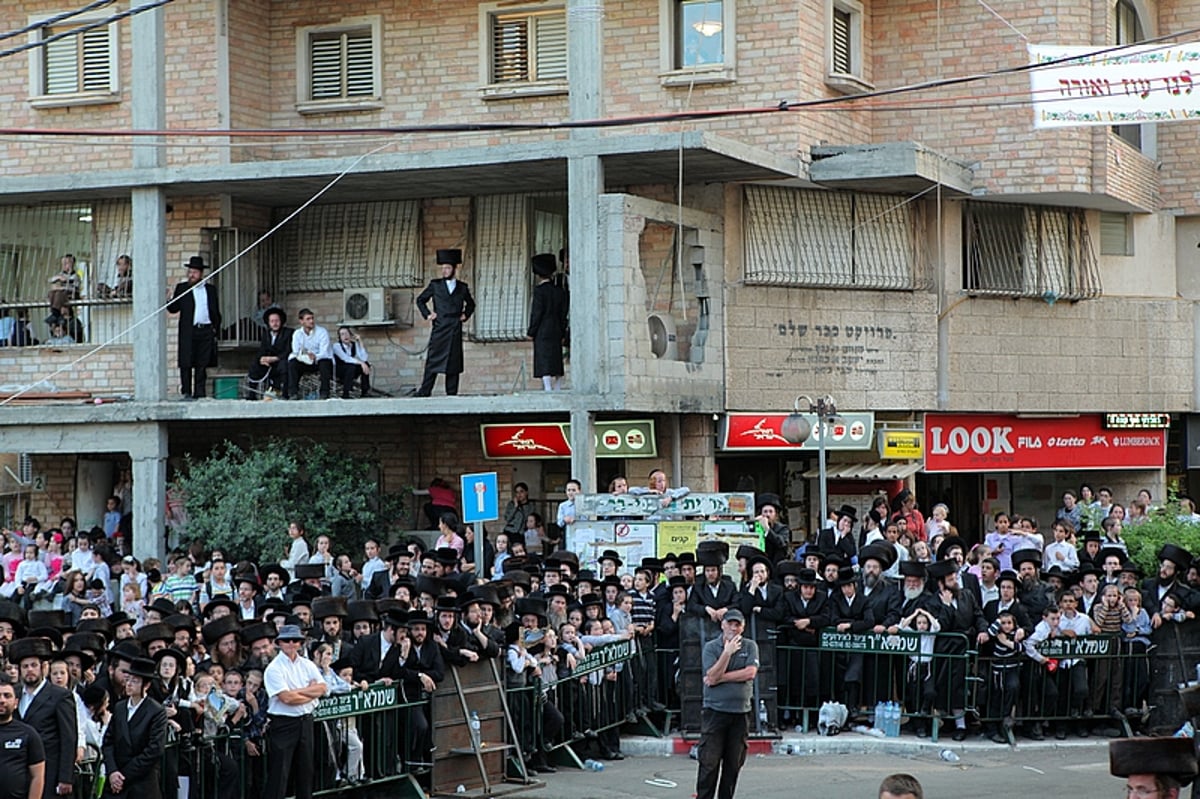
959,614
1035,595
1173,564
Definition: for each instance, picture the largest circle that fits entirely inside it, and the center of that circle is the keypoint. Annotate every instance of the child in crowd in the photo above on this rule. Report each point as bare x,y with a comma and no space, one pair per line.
133,604
920,689
112,516
1137,643
1004,675
1172,609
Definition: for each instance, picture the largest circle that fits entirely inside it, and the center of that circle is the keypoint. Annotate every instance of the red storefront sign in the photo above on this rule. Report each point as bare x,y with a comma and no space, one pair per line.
764,431
997,443
536,440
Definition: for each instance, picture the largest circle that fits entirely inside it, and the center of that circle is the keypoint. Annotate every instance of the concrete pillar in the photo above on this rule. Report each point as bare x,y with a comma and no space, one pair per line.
150,494
583,449
148,90
585,184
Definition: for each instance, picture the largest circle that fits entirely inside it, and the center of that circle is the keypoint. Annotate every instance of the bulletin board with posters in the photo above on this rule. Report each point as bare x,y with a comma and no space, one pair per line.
633,540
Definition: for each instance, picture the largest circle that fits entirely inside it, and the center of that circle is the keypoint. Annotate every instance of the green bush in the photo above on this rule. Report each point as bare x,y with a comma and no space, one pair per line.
1163,527
241,500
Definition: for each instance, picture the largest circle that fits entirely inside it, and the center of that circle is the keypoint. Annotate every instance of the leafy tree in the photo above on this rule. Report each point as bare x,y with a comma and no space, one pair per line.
241,500
1163,527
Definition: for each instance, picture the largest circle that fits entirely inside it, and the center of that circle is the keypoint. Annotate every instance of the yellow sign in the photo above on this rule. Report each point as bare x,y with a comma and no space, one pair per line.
677,537
901,445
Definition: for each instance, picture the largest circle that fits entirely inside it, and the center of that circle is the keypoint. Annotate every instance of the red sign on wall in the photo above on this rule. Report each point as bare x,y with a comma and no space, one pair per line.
759,431
997,443
534,440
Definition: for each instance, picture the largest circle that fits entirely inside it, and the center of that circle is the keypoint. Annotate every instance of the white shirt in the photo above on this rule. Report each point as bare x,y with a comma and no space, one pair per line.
81,560
133,708
285,674
370,567
27,697
451,284
200,315
1070,561
342,352
297,556
316,342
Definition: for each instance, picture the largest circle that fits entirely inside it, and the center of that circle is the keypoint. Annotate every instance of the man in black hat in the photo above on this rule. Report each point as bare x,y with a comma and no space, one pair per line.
1173,565
452,307
22,756
1153,767
50,710
547,323
776,534
270,364
806,611
136,737
840,538
959,614
196,302
1035,595
711,599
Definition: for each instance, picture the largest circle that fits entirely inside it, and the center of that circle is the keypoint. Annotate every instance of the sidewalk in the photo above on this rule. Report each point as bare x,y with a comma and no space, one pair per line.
852,743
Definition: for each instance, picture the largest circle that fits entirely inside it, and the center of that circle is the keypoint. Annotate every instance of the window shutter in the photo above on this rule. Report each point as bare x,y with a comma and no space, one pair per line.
842,57
61,64
360,65
510,49
355,244
501,267
97,64
551,50
1114,234
325,67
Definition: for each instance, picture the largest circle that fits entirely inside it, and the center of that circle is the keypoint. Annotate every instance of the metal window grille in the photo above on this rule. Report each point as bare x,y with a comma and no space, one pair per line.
80,63
831,239
843,56
529,46
509,229
1028,251
34,238
333,247
342,65
239,284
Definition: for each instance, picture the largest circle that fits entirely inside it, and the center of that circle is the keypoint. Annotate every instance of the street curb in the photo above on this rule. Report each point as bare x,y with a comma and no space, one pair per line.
850,743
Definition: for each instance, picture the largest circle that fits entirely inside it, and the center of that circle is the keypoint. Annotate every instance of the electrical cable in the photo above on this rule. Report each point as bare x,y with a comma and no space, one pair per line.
84,28
54,20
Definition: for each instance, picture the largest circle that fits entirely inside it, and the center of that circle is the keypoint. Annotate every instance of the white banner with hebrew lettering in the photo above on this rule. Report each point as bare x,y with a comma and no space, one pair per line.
1126,86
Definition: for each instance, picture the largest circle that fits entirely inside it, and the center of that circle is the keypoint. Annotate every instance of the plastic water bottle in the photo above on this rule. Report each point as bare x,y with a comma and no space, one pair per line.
762,714
880,718
949,756
593,765
893,711
475,729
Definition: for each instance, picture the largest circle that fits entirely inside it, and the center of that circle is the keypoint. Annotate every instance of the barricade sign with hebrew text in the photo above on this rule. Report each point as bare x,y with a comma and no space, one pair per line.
871,643
603,656
377,697
1084,646
594,506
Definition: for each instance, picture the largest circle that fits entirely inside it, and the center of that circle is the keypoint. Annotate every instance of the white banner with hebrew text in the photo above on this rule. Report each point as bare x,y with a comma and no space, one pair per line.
1126,86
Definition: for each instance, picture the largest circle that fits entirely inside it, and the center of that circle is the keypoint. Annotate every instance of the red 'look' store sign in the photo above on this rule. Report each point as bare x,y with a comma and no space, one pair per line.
985,443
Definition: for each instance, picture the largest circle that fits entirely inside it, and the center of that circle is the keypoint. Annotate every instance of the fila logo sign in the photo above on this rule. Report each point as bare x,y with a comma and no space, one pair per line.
980,440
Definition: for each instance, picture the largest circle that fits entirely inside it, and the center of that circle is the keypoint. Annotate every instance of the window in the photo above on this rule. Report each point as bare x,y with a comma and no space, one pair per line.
1128,29
844,69
1028,251
821,238
338,67
332,247
526,51
1116,235
509,230
697,41
74,66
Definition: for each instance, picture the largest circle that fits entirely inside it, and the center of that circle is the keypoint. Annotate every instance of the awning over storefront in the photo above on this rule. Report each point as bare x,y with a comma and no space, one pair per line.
866,471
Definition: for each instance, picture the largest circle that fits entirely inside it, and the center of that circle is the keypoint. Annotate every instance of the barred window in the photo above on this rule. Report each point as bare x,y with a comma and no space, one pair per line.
796,237
1028,251
509,230
332,247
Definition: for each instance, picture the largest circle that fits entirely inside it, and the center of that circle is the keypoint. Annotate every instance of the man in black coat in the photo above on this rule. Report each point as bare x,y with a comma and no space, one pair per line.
959,614
135,738
273,351
50,710
805,611
547,323
710,599
452,307
196,302
384,581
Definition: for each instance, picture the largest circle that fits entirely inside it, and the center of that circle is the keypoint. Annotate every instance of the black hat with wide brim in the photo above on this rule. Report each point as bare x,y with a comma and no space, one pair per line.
1168,757
1177,555
545,264
452,257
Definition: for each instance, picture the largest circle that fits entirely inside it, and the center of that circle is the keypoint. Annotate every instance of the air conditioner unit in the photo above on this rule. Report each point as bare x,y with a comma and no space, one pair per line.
662,337
364,306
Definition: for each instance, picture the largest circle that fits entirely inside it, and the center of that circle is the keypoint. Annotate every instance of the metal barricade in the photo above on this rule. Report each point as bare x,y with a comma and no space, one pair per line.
929,674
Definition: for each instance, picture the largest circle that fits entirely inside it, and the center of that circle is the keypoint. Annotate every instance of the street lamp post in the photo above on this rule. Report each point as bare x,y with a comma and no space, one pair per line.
796,429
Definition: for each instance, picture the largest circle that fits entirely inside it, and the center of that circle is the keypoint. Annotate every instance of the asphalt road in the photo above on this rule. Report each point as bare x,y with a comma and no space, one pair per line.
1063,773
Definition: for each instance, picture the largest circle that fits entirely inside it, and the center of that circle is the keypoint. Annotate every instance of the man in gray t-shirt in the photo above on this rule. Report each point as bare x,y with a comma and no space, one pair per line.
730,666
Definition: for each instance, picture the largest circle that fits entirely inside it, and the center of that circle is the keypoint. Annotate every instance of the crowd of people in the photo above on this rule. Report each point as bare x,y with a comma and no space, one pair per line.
194,640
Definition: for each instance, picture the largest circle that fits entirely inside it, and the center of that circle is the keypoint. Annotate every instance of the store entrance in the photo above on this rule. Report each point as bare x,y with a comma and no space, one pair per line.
962,493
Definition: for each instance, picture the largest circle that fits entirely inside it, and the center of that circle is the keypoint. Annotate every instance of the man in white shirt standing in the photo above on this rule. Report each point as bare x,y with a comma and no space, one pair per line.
294,685
199,320
311,352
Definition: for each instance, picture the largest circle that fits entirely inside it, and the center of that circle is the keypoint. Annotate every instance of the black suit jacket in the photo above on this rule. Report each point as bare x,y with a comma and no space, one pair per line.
429,661
366,659
281,348
135,746
884,602
52,714
445,353
855,611
183,303
817,611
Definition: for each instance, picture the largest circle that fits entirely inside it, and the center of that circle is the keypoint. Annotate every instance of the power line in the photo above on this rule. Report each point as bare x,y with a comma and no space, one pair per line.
54,20
100,23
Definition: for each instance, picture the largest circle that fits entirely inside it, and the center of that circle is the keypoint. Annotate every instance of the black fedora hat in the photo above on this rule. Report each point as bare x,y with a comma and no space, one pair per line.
1027,556
143,667
275,310
397,550
163,607
845,576
847,510
1009,576
159,631
258,631
941,568
545,264
179,657
613,555
948,543
1177,555
196,262
773,500
807,577
452,257
279,571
